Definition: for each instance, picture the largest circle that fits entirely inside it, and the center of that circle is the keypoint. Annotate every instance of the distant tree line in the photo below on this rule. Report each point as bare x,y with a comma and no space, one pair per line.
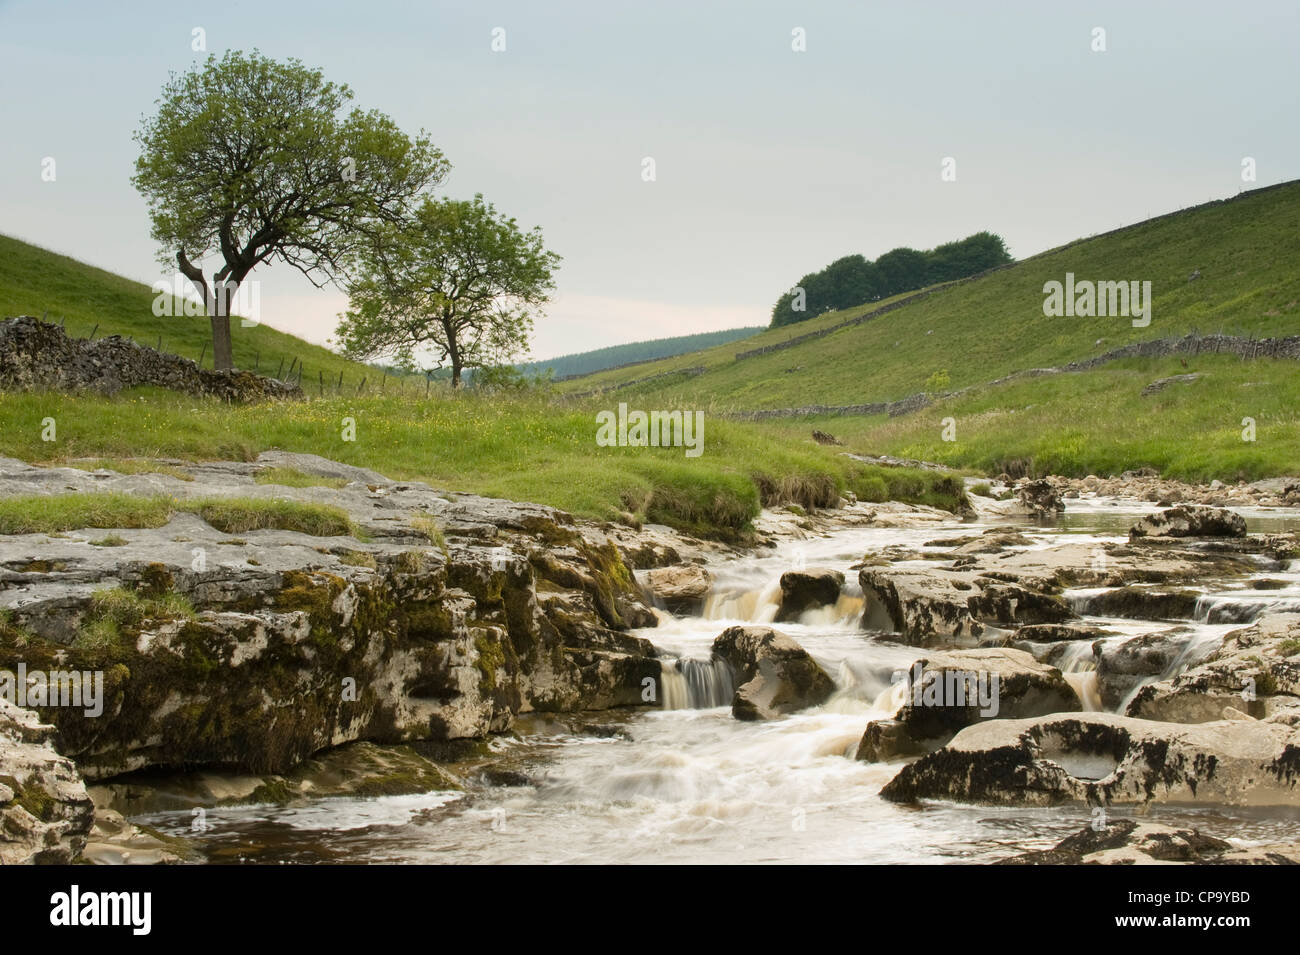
855,280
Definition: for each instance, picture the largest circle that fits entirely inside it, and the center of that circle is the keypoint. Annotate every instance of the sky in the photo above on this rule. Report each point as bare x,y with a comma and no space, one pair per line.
770,162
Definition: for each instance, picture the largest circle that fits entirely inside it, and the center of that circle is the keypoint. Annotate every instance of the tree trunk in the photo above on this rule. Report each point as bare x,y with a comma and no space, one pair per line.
452,351
222,352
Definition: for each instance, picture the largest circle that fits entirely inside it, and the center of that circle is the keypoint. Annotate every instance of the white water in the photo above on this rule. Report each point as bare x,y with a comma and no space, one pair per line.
688,783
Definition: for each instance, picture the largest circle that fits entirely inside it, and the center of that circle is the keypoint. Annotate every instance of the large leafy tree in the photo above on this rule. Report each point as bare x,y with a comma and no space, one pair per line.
255,160
457,284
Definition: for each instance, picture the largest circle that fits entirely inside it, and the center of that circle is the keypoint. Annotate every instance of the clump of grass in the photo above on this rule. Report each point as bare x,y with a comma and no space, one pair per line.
11,634
114,610
292,477
46,513
98,634
430,529
358,558
983,489
129,466
111,540
36,513
237,515
1289,647
409,561
911,486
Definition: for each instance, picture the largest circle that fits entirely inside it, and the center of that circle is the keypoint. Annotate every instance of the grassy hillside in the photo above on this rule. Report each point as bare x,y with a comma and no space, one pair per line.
719,356
599,359
1246,249
35,281
1099,422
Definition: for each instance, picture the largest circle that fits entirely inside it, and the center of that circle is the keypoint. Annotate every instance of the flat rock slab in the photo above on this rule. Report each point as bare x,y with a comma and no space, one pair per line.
1104,759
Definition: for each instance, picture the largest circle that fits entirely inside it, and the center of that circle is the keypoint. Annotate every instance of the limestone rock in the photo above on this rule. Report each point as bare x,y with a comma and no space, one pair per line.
681,589
947,691
1256,671
774,675
1103,759
45,812
1191,520
809,589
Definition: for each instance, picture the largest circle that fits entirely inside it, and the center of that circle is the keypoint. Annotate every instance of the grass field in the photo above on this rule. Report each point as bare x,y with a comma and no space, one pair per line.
1098,422
528,448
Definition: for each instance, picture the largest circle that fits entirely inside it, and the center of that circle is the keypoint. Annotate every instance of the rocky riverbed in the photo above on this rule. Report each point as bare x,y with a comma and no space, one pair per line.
465,679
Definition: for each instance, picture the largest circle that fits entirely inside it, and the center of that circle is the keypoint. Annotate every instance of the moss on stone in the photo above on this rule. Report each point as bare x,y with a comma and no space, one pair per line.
37,801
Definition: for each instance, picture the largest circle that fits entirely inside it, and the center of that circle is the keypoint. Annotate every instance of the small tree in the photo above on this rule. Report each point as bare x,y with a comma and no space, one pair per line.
457,282
250,158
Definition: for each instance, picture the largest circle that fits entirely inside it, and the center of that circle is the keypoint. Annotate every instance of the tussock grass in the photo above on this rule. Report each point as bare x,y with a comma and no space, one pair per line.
114,610
127,466
34,514
526,448
39,513
236,515
292,477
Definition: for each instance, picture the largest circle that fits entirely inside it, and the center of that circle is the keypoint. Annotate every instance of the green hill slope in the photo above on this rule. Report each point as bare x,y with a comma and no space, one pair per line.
600,359
1246,249
35,281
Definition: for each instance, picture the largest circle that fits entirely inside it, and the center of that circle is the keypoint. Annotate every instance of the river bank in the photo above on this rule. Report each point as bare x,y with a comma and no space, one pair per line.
615,739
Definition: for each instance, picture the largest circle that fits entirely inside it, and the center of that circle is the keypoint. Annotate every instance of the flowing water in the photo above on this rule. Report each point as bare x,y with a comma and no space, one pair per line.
687,783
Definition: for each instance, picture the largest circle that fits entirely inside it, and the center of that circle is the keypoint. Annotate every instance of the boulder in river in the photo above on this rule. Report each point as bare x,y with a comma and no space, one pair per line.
809,589
949,690
934,606
774,675
1190,520
681,589
1104,759
1141,603
1256,671
1040,498
1134,842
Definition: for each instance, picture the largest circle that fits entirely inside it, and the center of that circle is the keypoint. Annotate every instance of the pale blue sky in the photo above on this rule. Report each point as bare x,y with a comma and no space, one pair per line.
770,163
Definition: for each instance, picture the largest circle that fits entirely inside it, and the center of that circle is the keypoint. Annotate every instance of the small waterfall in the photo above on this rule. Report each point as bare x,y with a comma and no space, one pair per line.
1196,649
691,684
1078,665
891,698
845,612
1240,608
753,606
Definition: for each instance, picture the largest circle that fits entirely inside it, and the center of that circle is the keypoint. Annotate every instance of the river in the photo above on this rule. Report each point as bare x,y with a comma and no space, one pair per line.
687,783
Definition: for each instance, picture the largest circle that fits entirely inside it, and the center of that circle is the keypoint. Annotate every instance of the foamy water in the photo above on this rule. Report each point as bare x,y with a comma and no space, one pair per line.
688,783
